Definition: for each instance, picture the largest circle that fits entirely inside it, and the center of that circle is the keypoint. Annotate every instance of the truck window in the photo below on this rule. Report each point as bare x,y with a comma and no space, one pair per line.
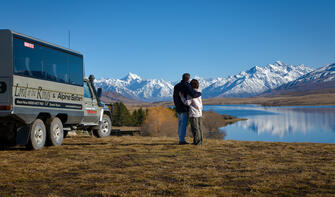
76,70
28,61
32,59
56,65
87,91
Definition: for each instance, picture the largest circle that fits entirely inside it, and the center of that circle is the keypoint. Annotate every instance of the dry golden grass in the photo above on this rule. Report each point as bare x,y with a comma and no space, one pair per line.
156,166
160,121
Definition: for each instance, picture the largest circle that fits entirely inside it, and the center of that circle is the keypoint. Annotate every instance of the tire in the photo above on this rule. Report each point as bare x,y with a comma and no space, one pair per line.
37,135
55,133
105,127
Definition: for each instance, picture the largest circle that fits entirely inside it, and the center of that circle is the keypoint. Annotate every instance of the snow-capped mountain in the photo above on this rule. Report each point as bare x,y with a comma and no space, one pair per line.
133,86
204,83
245,84
322,78
323,74
255,80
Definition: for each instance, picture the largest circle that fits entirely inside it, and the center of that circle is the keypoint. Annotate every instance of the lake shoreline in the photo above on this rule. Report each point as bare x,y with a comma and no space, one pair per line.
303,100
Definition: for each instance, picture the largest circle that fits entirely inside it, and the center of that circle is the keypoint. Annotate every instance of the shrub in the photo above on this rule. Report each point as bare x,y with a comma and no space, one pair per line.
160,121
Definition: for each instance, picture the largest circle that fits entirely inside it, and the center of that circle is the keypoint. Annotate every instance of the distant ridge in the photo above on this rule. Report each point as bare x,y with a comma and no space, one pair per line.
252,82
256,80
134,87
321,80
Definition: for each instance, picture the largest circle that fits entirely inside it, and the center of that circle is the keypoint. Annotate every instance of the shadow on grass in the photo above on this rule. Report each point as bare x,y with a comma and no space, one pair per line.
84,144
13,148
154,144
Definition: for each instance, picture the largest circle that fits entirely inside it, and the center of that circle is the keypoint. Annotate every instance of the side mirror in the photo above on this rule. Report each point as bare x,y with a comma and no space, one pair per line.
99,93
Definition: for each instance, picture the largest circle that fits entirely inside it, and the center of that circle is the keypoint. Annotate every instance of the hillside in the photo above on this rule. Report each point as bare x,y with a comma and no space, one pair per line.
145,166
112,97
279,100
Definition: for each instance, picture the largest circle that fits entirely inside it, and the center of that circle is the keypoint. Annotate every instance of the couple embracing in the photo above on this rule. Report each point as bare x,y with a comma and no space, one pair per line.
187,99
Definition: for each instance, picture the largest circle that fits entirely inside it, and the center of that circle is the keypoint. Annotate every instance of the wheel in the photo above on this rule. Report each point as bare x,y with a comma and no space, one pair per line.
105,127
55,132
37,135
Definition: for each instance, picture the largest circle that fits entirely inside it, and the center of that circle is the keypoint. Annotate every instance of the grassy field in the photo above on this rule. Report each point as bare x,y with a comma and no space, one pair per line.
145,166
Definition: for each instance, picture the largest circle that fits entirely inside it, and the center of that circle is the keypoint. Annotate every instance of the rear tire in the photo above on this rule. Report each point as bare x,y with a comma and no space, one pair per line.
37,135
105,127
55,133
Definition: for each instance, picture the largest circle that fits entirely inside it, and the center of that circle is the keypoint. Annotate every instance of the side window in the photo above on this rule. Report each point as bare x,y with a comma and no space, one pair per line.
27,59
34,60
87,91
76,70
56,65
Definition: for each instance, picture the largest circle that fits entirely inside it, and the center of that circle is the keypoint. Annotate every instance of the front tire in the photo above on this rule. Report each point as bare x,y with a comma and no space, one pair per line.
37,135
105,128
55,133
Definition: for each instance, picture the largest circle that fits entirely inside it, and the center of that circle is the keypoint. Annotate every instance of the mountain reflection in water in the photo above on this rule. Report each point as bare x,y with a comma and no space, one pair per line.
286,124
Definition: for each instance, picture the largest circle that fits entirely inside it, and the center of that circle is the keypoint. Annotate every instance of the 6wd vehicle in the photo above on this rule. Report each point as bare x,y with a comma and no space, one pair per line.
43,93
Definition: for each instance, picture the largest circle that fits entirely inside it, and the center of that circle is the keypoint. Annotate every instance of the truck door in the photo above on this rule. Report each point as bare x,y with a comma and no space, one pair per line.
91,113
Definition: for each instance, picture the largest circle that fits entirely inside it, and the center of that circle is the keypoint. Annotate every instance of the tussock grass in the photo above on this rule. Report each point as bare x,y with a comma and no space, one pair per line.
157,166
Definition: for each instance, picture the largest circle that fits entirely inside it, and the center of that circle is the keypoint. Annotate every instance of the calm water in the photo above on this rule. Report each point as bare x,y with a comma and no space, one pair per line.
280,124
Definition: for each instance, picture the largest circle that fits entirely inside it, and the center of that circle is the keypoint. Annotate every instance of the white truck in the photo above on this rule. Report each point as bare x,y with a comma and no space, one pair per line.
43,93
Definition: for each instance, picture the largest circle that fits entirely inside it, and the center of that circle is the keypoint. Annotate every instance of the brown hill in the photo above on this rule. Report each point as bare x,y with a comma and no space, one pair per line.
112,97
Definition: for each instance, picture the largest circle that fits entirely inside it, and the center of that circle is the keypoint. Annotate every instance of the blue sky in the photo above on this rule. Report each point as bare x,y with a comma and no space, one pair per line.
164,38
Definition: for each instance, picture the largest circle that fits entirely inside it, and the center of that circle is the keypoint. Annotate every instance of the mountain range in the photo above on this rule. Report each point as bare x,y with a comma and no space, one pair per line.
272,78
134,87
317,81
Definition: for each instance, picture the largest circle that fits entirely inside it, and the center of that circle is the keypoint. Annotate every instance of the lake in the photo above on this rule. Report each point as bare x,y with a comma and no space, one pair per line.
279,124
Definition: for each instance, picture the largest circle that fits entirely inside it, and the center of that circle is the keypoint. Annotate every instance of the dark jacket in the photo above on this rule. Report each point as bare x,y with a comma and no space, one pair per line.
186,89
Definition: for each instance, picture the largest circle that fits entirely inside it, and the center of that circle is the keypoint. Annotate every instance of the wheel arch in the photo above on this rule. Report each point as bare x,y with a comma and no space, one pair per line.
108,113
63,117
44,116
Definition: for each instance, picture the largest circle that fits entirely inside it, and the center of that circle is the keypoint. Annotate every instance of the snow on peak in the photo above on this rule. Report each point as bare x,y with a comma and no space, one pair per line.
325,73
256,80
279,63
131,76
248,83
133,86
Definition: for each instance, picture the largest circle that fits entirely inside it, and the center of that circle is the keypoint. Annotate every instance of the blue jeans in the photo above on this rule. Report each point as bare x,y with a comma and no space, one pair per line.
182,124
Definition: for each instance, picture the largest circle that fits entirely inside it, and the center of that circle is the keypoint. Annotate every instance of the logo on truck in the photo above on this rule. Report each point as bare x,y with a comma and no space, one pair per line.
46,98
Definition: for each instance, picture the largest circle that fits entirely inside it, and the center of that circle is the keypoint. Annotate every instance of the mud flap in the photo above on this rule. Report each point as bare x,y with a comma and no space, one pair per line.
22,135
100,120
7,134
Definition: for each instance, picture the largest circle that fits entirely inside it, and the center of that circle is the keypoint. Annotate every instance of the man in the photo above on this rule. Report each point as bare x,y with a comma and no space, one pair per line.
182,110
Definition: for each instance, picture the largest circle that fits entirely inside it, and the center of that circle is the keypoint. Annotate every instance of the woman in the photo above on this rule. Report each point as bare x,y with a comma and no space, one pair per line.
195,112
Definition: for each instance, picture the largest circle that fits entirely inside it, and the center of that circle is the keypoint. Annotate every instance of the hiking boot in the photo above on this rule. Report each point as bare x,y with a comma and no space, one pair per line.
183,143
